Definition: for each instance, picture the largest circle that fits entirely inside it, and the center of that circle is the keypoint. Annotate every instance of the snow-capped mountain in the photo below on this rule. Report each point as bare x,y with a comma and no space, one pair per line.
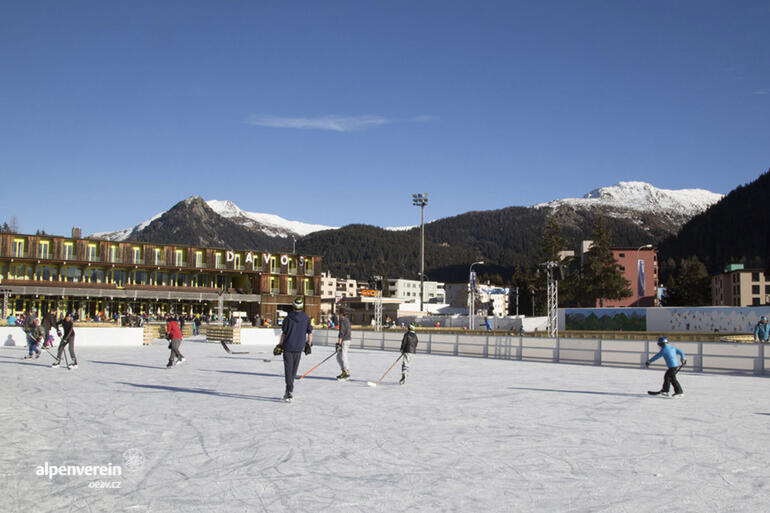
269,224
680,205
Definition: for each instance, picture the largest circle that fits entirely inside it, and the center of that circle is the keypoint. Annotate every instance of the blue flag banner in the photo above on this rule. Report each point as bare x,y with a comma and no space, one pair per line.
641,277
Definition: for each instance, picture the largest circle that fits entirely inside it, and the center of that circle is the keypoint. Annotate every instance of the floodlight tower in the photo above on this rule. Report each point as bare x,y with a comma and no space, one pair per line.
420,200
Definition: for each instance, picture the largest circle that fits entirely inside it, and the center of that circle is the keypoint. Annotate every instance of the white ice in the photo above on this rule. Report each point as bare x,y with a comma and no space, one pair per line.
462,435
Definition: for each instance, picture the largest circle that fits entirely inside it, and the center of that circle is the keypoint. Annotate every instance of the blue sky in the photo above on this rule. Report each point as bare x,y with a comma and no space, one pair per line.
336,112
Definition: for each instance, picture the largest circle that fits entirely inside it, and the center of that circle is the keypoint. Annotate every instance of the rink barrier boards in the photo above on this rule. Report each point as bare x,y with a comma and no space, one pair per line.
710,357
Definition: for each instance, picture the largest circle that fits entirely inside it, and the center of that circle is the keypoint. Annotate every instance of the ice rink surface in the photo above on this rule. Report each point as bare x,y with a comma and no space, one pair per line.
465,435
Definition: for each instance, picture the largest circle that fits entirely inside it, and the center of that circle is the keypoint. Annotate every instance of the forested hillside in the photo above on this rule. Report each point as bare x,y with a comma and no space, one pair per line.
735,230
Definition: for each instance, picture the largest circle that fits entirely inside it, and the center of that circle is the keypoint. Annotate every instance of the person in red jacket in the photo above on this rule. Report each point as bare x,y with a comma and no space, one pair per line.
174,336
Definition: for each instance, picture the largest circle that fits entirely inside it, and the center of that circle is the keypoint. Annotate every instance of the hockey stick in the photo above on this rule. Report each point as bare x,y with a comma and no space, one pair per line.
369,383
314,368
229,351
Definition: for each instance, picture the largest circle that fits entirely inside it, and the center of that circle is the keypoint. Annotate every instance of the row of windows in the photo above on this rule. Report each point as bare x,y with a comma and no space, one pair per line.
92,255
121,277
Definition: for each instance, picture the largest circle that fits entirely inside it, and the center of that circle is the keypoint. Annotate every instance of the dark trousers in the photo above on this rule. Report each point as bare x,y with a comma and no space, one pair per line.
290,366
174,346
670,379
67,342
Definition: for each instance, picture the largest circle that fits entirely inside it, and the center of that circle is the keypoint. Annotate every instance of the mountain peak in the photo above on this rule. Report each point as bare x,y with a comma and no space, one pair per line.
643,197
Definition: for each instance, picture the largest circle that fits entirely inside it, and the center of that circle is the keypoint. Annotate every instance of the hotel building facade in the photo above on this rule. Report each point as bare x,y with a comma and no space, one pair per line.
92,276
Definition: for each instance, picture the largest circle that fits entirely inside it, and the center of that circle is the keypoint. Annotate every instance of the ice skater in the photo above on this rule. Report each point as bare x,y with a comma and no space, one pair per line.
342,346
67,340
174,337
35,338
672,355
296,336
762,330
408,350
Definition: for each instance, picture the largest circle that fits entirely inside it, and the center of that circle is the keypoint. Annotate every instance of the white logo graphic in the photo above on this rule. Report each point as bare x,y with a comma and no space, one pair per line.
133,460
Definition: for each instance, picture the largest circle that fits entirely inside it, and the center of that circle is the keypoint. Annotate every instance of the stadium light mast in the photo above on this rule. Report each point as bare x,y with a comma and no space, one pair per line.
420,200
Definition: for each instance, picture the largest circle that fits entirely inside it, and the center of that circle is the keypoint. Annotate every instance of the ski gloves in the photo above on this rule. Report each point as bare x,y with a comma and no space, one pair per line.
278,350
308,349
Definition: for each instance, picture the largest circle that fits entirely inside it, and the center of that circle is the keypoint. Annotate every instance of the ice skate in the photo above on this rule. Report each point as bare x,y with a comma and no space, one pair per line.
344,376
677,395
55,364
287,397
402,380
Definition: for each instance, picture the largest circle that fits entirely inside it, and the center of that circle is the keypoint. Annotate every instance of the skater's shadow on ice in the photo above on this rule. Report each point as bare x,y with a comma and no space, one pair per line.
589,392
247,373
129,364
204,391
760,413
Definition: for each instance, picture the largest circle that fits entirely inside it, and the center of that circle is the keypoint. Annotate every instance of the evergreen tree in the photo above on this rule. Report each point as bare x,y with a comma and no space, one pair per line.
691,286
551,242
601,273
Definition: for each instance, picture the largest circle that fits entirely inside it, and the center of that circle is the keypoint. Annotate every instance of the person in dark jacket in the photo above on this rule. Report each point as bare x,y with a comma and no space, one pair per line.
174,337
408,350
342,346
49,321
29,324
671,355
296,336
68,339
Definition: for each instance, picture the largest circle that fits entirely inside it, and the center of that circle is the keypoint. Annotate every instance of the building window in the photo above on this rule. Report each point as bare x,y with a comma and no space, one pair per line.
113,254
273,264
199,259
621,255
42,249
755,289
67,251
755,301
754,276
156,256
178,257
308,265
18,247
137,252
91,252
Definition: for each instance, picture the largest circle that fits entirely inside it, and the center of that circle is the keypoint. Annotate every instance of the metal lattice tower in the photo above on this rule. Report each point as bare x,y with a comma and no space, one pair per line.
378,312
552,292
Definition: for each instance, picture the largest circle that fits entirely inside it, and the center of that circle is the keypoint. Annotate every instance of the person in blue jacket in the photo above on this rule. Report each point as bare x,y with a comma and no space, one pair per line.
671,355
762,330
296,336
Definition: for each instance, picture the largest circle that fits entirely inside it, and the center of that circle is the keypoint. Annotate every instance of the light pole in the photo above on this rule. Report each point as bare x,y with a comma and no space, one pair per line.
420,200
472,286
639,274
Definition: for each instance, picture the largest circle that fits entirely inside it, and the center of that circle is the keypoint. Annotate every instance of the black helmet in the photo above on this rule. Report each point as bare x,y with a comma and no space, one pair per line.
662,341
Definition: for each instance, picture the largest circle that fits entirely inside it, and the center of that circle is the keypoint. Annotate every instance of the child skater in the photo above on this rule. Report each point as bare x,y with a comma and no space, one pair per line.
671,354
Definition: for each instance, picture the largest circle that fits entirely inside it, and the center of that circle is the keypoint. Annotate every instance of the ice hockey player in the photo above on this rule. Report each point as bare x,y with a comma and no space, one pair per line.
49,321
408,350
671,354
342,346
36,338
68,339
174,337
296,336
762,330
